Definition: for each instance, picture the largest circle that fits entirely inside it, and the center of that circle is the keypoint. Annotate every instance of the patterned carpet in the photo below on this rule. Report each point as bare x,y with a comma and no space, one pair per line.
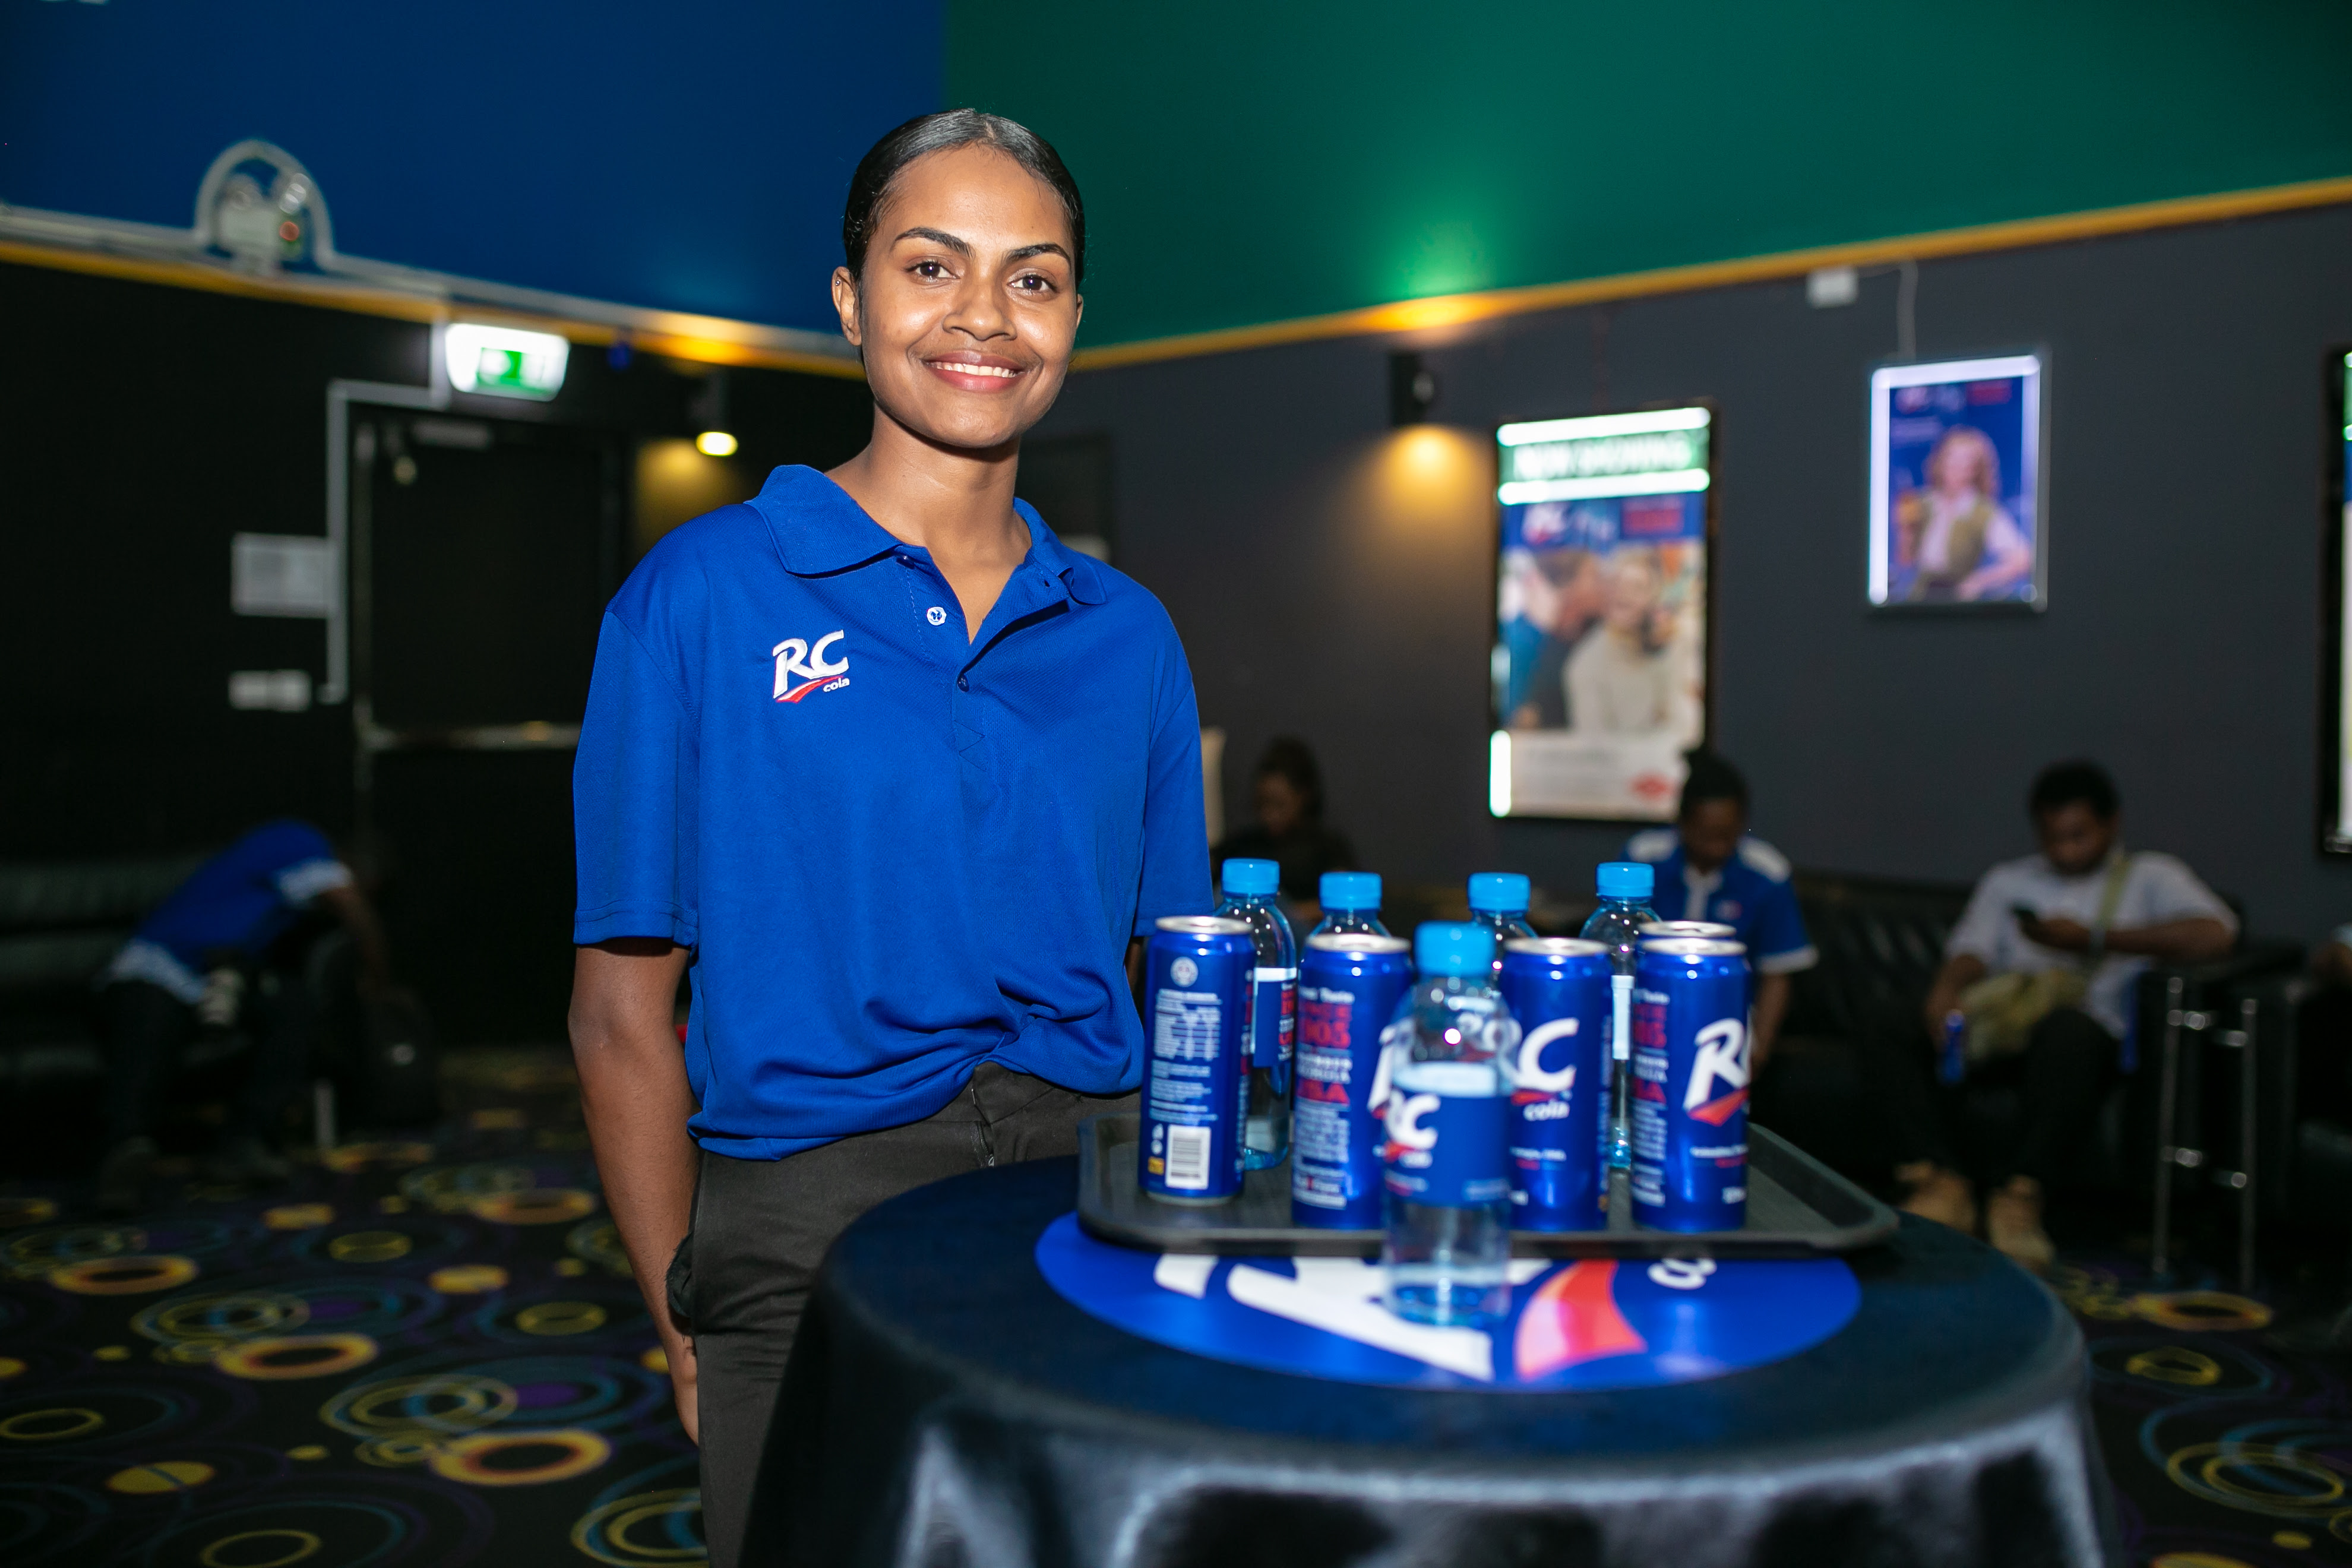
429,1352
422,1353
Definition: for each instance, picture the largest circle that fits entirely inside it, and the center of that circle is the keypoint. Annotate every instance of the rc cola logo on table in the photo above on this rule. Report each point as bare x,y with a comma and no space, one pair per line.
1196,1084
1447,1058
1349,986
1690,1074
1556,989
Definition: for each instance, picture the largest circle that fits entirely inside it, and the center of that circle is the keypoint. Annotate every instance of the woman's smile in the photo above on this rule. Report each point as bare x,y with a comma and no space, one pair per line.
969,370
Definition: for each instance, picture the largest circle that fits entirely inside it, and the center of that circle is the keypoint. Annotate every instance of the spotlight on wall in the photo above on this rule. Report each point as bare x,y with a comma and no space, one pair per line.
715,444
707,409
1413,389
504,362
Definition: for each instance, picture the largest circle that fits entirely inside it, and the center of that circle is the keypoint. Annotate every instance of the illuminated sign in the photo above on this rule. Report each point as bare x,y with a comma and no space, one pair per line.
1659,453
505,362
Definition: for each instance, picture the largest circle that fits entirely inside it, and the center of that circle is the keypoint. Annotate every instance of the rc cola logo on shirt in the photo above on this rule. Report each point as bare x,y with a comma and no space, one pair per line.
798,657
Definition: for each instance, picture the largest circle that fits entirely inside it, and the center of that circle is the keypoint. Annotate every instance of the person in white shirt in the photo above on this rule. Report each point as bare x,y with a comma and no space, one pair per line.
2083,905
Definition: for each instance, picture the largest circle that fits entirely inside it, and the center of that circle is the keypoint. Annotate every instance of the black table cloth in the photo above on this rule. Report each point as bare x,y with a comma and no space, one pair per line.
946,1407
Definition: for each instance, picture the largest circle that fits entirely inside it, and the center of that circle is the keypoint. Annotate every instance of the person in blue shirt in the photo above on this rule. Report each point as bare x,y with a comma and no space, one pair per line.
895,780
1710,868
189,965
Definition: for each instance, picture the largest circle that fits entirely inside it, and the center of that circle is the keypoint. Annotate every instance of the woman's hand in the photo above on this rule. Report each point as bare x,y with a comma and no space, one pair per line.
685,1383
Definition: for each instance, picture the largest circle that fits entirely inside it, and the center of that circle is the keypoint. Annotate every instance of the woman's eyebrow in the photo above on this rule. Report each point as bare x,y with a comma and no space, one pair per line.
1046,248
938,236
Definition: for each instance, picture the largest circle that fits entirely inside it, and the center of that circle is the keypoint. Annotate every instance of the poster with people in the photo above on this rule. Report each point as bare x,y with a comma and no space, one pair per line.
1955,483
1600,656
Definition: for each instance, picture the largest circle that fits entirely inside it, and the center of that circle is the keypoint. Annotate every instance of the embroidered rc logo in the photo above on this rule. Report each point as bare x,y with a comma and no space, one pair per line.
796,657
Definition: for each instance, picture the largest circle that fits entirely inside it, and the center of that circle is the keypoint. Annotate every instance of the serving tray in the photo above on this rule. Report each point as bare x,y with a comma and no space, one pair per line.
1797,1207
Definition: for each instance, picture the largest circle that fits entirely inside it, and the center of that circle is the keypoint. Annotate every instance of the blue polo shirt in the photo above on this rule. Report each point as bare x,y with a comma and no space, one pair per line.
896,853
232,908
1749,891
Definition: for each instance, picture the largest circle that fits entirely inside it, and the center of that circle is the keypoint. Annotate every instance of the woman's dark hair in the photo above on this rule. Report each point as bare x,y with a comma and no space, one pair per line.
1711,777
2067,783
1288,757
941,132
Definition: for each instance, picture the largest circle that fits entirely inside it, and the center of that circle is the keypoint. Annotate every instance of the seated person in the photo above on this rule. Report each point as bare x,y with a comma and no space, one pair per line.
1288,794
189,964
1709,869
2090,915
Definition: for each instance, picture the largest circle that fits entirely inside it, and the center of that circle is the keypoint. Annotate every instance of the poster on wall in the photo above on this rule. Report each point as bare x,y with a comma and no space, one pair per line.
2335,784
1599,663
1955,514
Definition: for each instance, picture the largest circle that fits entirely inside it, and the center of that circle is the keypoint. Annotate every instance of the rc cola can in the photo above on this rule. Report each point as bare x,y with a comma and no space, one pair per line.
1198,972
1691,1066
1558,990
1709,931
1349,986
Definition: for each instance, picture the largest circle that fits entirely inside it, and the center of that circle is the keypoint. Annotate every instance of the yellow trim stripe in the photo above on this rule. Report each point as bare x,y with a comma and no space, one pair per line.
703,340
1454,310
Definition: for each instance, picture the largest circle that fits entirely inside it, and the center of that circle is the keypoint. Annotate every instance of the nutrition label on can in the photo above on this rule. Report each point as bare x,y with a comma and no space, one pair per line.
1185,1026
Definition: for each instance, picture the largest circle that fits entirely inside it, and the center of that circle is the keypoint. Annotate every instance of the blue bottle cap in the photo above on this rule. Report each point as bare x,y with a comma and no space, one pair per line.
1498,892
1625,879
1453,947
1351,890
1253,877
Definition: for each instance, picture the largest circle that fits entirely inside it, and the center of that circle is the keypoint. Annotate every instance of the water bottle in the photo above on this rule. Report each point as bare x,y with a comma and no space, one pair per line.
1251,888
1624,888
1498,901
1446,1176
1351,905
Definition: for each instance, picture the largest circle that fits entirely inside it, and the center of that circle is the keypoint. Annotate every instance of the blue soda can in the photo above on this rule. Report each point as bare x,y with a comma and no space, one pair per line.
1711,930
1558,990
1690,1085
1349,986
1198,972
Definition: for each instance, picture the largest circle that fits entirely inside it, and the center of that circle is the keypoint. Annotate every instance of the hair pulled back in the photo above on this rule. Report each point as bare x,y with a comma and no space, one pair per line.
869,188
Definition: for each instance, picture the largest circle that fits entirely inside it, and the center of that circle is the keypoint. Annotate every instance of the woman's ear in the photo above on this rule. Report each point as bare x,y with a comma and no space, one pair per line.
845,301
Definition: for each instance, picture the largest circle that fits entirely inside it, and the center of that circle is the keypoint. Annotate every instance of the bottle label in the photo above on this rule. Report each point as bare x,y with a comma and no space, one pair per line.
1446,1150
1274,1018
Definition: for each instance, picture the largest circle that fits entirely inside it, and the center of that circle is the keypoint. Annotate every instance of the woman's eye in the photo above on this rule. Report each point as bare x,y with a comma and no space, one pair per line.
1034,283
929,269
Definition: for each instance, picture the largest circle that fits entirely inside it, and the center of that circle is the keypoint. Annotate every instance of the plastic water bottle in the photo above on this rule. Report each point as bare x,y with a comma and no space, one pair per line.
1351,904
1624,887
1251,888
1498,901
1446,1176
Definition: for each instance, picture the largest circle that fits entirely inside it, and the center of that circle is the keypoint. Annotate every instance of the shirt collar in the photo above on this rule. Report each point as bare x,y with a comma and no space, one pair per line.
818,530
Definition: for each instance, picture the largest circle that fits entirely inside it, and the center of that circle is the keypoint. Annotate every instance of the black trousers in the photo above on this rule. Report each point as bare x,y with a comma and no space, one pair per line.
2062,1077
760,1227
147,1028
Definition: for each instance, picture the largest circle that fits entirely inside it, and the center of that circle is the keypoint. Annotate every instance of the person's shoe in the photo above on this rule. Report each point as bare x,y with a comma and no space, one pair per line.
122,1176
1942,1196
246,1161
2013,1224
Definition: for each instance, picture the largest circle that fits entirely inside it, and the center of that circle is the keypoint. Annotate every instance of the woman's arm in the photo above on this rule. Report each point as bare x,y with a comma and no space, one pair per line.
2012,560
633,1092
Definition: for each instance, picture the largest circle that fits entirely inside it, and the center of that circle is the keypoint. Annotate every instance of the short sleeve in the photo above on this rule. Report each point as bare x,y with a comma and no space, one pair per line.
1982,926
2174,892
1778,942
1175,823
634,799
300,883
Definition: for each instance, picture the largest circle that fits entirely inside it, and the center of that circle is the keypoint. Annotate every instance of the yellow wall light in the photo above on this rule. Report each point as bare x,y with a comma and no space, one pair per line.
715,444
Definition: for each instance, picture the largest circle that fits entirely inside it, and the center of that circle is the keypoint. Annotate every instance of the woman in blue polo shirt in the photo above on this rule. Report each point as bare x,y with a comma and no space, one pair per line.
895,778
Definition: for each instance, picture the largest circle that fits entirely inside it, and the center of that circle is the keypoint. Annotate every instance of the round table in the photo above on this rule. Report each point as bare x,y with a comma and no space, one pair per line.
946,1405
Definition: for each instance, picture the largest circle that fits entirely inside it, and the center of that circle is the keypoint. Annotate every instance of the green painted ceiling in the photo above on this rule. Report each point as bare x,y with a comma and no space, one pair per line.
1257,162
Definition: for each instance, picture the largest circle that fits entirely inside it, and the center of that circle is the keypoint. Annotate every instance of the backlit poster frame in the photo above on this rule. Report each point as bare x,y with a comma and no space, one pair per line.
1977,425
2335,595
1602,655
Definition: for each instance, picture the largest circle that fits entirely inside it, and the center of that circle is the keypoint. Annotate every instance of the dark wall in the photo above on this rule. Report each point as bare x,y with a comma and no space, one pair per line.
142,427
1333,577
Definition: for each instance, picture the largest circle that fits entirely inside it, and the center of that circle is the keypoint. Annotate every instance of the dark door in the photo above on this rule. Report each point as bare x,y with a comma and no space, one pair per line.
483,553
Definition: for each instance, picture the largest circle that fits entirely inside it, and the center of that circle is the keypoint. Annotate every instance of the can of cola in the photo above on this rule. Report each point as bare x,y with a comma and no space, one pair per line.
1558,990
1198,970
1709,931
1348,987
1690,1085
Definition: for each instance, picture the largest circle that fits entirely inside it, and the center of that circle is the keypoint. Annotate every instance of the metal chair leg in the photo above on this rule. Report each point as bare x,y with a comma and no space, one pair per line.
2167,1153
2249,1132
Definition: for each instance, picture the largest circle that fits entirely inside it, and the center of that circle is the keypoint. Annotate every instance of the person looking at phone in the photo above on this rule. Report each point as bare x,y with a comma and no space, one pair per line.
2036,986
